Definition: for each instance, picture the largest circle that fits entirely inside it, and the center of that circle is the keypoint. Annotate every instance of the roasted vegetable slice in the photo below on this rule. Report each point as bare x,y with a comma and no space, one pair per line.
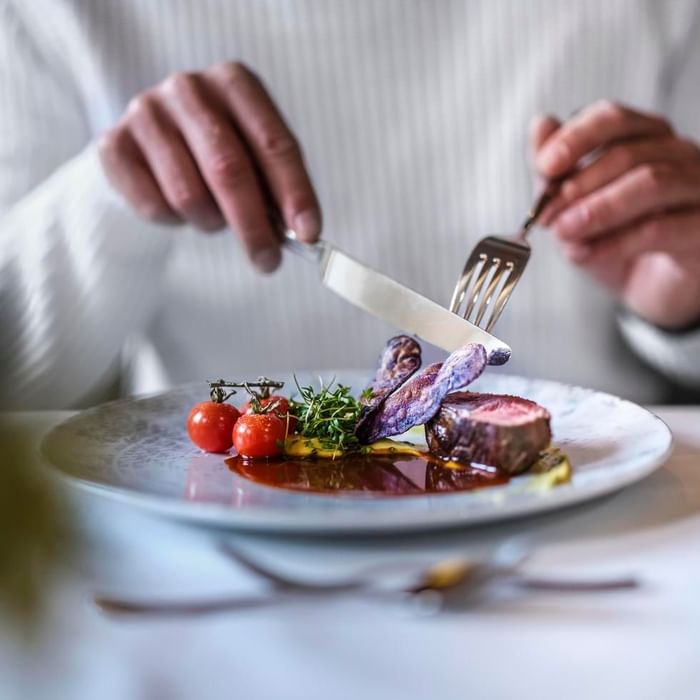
419,399
399,360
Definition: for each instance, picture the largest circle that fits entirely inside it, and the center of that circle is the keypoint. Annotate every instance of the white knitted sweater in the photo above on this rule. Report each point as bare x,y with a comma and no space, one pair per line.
413,116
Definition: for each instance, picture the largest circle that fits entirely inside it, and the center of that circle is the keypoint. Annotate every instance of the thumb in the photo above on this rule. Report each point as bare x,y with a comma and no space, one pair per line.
541,128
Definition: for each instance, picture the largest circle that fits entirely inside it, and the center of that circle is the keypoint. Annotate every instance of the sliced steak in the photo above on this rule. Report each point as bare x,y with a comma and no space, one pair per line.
502,431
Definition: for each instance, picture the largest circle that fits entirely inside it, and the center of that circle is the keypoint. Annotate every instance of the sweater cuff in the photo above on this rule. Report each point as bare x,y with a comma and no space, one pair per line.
127,236
677,355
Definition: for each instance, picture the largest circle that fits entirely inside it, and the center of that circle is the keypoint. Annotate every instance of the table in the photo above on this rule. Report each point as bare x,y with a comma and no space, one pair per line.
639,644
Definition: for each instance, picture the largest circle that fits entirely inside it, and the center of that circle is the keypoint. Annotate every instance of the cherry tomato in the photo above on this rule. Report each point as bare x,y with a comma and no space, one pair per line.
258,435
279,405
210,425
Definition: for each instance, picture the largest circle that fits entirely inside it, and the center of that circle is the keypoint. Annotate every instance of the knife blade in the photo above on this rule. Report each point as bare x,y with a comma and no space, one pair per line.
395,303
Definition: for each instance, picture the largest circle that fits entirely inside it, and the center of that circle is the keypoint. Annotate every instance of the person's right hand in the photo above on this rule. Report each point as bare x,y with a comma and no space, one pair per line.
212,149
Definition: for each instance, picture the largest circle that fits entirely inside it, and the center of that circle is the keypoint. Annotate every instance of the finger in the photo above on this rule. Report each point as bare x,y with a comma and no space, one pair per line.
541,128
172,165
642,191
595,127
226,166
622,158
675,233
127,171
619,159
609,270
275,149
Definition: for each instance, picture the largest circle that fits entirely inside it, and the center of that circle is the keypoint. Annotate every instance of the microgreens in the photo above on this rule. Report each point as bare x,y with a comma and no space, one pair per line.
328,414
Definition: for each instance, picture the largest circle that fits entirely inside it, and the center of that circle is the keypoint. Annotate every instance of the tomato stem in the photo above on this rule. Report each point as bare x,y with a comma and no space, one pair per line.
259,389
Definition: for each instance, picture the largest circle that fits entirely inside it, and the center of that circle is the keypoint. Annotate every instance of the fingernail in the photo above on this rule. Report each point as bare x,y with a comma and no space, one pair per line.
267,259
307,225
569,190
571,221
539,121
578,253
535,123
553,159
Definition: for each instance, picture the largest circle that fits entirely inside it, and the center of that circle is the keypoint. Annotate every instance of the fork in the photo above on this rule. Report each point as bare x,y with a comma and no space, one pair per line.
441,576
494,268
434,584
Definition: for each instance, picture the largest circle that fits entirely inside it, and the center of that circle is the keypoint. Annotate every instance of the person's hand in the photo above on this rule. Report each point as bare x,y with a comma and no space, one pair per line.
629,209
212,149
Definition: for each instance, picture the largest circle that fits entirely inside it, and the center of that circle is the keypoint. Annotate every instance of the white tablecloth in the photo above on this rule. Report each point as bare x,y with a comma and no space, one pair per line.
639,644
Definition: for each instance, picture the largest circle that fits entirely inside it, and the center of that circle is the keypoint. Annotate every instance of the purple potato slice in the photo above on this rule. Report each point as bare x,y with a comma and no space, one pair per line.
399,360
418,400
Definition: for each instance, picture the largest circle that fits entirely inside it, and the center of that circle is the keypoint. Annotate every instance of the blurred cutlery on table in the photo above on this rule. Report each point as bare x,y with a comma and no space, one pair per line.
449,581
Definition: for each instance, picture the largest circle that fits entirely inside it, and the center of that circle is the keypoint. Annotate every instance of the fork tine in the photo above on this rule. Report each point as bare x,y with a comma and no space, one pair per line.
462,282
503,297
500,274
476,290
473,262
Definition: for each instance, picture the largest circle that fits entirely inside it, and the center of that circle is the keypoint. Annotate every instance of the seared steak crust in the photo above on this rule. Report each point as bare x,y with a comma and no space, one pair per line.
507,432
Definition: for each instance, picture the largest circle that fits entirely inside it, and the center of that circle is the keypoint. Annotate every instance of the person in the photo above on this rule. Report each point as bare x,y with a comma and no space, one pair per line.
133,131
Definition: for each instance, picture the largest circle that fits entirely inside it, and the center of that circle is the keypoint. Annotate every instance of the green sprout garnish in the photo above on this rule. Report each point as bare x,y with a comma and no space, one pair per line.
329,415
367,394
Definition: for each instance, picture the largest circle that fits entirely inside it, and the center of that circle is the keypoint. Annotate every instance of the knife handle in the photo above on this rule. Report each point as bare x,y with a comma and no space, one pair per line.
313,252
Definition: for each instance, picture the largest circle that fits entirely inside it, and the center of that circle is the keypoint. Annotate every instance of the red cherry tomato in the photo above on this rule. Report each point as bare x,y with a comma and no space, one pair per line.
210,425
279,405
258,435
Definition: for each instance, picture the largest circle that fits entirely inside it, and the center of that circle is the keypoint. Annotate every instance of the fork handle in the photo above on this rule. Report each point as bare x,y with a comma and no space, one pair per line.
565,586
550,191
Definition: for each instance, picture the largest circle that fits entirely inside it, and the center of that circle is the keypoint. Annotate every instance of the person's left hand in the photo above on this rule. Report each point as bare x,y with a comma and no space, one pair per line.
629,209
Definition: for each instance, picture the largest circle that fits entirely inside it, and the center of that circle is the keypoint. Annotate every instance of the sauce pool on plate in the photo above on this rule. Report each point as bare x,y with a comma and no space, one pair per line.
369,474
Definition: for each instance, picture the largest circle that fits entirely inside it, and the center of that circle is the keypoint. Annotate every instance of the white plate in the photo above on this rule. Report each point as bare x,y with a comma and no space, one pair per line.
137,450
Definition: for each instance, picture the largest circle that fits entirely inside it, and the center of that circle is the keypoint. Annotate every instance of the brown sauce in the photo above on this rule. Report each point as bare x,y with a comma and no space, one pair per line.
385,475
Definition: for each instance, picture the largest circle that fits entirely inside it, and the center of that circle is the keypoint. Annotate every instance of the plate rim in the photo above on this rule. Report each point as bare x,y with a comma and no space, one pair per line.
267,520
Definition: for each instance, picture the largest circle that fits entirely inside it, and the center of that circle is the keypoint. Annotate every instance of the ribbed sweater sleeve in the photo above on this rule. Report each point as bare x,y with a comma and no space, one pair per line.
677,355
78,272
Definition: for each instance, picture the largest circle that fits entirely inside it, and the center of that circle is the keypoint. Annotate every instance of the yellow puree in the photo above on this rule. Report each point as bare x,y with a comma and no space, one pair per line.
302,447
551,469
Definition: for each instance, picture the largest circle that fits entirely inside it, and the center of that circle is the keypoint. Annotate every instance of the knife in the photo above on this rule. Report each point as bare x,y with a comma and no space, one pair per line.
393,302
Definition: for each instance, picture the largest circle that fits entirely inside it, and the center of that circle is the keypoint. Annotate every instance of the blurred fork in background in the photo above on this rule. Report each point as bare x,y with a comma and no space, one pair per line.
494,268
446,583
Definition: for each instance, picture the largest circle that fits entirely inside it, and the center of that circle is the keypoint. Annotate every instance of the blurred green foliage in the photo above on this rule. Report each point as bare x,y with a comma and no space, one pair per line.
37,534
